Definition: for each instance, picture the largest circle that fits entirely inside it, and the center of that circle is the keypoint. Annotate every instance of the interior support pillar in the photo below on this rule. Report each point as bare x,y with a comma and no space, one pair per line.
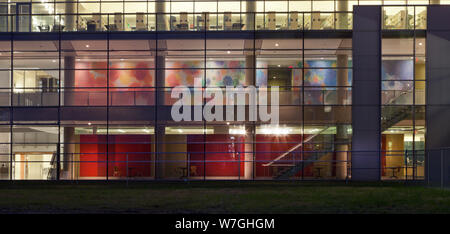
160,124
70,19
250,64
435,2
69,153
250,9
342,18
341,128
161,18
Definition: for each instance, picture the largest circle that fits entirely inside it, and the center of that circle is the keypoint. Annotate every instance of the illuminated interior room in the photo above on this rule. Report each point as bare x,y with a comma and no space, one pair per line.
87,89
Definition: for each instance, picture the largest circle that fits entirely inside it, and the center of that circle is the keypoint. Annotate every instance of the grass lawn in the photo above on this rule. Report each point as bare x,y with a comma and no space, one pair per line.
222,197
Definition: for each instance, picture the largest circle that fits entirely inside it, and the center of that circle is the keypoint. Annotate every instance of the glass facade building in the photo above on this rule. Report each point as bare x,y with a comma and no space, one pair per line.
87,89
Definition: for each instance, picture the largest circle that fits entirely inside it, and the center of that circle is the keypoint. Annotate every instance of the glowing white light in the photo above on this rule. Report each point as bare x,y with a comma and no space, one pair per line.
276,131
237,131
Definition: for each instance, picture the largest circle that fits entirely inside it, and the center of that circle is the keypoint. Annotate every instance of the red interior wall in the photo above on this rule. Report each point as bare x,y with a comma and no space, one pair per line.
138,148
218,147
92,151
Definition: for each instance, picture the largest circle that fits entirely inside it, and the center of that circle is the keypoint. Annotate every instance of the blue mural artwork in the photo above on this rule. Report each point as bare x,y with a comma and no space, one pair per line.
394,73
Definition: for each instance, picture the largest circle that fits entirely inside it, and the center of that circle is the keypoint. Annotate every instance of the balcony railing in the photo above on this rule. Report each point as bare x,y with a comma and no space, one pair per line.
400,17
295,96
184,21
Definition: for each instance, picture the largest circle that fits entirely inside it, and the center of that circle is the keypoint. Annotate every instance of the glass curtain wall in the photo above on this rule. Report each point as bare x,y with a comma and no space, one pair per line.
179,15
403,107
101,109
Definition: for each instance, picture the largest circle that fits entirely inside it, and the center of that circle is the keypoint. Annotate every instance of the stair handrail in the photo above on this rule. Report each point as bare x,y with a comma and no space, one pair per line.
52,163
295,147
403,93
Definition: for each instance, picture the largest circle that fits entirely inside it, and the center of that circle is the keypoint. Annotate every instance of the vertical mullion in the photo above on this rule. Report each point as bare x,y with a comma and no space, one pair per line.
11,113
107,105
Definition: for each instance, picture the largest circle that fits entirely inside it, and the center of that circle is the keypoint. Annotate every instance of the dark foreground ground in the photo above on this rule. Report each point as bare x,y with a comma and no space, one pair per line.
222,197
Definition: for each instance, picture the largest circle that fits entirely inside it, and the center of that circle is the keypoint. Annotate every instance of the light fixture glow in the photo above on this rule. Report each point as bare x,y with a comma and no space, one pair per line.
276,131
237,131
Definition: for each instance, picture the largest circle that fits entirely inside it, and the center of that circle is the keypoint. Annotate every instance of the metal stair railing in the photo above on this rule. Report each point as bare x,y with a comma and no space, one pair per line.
309,138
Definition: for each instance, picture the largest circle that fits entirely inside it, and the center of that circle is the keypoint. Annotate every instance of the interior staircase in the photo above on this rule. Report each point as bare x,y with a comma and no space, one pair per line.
394,114
286,170
391,117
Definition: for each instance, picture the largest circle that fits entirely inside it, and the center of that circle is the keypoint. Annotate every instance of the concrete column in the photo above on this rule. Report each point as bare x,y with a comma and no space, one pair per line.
250,19
161,18
160,77
342,18
160,61
249,151
160,133
69,79
70,19
69,132
250,64
69,152
341,129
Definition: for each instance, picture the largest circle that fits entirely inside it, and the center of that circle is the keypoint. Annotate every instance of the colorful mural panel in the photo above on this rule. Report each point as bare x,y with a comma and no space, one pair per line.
395,72
121,74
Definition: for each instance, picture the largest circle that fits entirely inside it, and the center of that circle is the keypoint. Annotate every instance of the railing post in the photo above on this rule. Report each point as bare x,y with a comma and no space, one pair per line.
188,167
127,168
428,169
442,168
